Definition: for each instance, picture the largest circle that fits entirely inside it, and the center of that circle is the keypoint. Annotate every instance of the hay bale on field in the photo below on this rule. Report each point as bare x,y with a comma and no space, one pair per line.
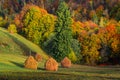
66,63
51,65
38,57
31,63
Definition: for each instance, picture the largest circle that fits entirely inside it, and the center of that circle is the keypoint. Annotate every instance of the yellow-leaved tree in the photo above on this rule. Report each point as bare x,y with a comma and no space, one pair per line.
35,24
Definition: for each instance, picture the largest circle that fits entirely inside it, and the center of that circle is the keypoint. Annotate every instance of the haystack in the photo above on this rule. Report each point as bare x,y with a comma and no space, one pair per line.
38,57
66,63
31,63
51,65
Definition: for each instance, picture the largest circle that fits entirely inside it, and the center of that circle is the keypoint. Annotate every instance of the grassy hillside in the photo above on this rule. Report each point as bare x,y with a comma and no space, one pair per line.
16,44
13,49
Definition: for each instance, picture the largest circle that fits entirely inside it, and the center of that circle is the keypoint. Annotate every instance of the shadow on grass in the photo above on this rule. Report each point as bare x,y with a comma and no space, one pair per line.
22,66
17,64
41,68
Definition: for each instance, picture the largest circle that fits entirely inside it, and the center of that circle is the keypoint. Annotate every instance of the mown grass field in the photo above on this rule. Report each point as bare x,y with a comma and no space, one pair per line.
12,47
12,68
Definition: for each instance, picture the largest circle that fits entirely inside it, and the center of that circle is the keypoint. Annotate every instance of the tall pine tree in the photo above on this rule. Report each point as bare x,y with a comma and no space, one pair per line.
61,46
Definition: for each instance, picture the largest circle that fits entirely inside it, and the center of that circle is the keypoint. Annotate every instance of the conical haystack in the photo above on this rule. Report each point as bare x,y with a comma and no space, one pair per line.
31,63
38,57
66,63
51,65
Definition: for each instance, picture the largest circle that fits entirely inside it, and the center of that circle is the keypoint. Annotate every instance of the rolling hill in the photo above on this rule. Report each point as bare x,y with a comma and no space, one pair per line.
14,49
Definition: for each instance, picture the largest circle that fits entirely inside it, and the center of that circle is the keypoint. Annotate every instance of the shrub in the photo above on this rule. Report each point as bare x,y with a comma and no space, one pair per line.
51,65
31,63
72,56
3,23
12,28
66,63
75,56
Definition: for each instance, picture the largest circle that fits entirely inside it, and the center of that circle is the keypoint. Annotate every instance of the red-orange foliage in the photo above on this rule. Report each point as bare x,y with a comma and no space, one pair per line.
51,65
108,32
77,27
66,63
31,63
90,25
110,39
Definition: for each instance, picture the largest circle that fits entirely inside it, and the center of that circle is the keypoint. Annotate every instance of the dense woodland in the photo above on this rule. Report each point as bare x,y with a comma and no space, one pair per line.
86,31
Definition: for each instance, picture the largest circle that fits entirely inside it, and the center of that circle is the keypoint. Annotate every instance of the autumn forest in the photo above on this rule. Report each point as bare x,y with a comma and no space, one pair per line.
85,31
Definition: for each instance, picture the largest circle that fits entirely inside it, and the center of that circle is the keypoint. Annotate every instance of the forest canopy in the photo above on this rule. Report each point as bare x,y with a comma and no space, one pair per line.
86,31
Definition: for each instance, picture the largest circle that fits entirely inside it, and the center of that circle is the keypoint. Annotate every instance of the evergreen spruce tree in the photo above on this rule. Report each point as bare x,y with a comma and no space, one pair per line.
61,46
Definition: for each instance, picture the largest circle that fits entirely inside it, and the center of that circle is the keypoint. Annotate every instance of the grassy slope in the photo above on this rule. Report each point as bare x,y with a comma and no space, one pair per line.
19,44
12,48
12,60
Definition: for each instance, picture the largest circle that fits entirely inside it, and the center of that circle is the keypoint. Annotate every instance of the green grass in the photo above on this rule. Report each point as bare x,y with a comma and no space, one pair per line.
12,47
14,43
12,68
14,63
76,72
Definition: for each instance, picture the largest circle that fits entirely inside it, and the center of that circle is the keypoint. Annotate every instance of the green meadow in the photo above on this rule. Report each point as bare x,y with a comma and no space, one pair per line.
12,59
